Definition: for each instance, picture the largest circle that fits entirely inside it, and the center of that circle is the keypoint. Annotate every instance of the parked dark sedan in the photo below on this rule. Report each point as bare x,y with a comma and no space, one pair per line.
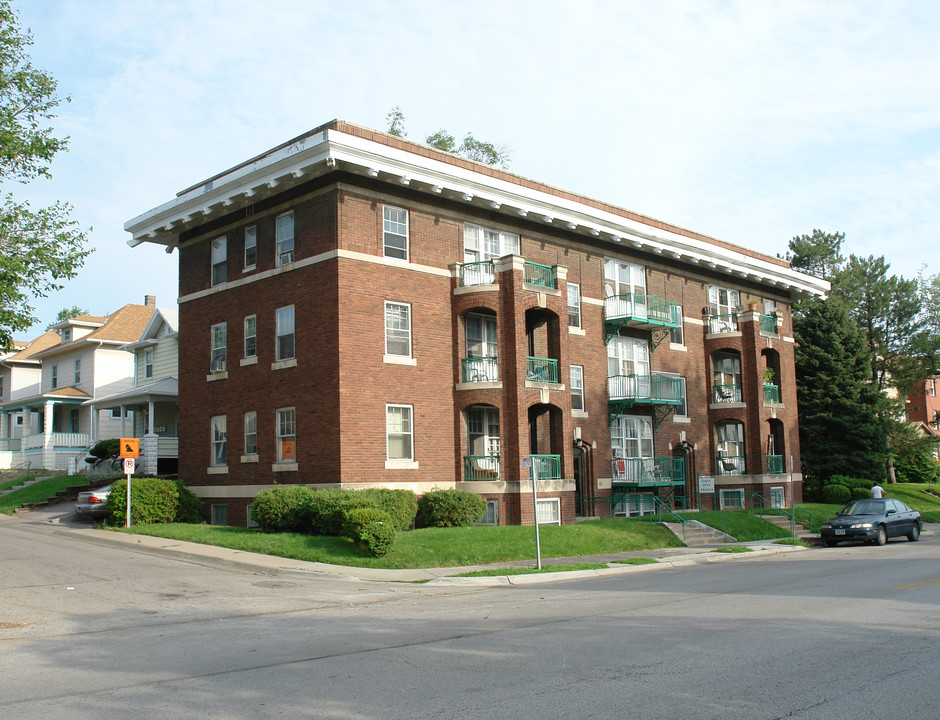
872,521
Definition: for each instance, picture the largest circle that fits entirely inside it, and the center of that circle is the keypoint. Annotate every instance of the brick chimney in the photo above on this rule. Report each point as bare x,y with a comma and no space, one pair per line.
150,300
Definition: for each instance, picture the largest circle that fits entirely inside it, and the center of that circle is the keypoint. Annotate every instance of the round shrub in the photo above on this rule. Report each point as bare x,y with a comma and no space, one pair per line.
449,508
402,505
153,500
283,508
370,528
860,493
836,493
189,507
105,449
326,509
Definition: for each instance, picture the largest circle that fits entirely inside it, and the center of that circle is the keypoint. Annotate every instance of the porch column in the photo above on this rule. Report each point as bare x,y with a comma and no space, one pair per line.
48,446
5,419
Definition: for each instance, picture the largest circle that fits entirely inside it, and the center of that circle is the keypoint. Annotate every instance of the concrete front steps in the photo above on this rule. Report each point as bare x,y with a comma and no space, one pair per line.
698,534
782,521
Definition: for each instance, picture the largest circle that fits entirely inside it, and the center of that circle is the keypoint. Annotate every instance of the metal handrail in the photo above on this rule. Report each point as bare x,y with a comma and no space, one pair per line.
477,273
479,369
541,369
538,274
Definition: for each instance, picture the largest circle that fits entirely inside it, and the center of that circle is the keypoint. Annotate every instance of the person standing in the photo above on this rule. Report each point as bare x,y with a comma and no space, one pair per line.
877,492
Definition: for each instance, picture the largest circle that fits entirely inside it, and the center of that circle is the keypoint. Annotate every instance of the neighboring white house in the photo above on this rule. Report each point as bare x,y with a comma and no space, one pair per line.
44,422
152,401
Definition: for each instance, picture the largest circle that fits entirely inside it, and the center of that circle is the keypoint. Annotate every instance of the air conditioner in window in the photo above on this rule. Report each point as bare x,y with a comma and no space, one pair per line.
217,366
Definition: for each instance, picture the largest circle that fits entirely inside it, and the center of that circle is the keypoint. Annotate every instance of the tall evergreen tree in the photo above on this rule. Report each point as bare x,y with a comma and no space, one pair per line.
840,430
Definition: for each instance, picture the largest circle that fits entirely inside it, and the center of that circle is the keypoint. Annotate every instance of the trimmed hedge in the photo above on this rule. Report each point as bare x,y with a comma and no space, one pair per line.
105,449
860,493
401,505
449,508
836,493
327,507
153,500
283,508
370,528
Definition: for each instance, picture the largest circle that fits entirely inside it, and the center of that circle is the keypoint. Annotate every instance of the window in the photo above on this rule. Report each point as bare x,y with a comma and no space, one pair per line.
218,440
399,432
622,278
77,372
727,378
480,243
482,363
249,508
491,516
395,232
730,447
577,388
627,356
217,359
251,336
251,246
574,305
115,413
548,511
731,499
631,436
66,334
677,334
251,433
723,304
933,387
286,428
148,363
54,382
219,260
284,235
397,329
483,437
285,333
219,514
681,410
2,385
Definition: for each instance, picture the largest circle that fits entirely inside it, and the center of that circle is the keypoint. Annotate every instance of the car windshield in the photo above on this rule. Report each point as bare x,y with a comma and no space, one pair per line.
864,507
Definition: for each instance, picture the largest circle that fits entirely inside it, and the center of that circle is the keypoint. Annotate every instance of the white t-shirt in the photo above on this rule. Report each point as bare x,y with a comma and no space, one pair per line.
877,492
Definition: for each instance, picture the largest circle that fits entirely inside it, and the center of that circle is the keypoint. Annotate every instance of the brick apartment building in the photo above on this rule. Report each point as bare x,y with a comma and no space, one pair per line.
923,408
360,310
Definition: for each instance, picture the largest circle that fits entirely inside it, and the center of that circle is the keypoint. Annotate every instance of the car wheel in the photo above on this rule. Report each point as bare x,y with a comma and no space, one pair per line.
882,537
831,543
914,534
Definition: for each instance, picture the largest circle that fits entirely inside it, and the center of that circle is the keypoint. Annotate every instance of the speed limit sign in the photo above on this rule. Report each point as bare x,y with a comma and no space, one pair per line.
128,466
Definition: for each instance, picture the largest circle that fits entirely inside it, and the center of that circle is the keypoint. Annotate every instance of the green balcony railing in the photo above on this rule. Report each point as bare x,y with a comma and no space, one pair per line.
771,393
722,323
547,467
641,308
479,369
768,324
655,389
730,464
541,275
727,394
481,467
775,464
477,273
541,369
647,471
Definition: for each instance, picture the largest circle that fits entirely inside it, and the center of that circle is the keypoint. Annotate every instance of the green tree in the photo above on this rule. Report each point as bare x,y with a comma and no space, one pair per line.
841,432
818,254
39,248
396,122
67,313
470,147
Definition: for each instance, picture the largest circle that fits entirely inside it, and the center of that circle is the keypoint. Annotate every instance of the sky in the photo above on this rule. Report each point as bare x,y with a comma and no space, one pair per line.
751,121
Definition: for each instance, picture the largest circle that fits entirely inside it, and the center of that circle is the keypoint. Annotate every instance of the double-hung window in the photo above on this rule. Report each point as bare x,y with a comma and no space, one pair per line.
251,336
480,243
574,306
631,436
681,409
218,440
394,232
219,260
251,433
677,334
54,379
399,432
723,304
217,358
284,237
398,329
285,333
251,246
77,372
148,362
577,388
286,428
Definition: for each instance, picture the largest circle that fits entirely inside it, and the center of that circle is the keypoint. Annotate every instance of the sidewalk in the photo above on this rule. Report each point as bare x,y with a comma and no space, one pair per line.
273,566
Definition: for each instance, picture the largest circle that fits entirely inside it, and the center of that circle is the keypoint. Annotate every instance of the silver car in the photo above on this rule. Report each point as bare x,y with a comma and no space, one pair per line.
93,503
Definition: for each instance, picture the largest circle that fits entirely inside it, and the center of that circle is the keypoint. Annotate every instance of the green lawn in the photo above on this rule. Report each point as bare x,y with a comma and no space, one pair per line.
7,484
436,547
39,491
742,525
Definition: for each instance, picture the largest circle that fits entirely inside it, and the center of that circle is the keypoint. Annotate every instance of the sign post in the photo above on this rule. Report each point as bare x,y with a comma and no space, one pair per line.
130,449
530,463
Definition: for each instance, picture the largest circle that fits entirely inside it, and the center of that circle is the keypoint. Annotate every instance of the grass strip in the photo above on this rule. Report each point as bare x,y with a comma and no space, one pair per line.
39,491
498,572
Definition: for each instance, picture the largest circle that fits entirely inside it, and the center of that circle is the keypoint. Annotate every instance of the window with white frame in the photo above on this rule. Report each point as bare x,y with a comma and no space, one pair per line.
548,511
148,362
574,305
482,347
398,329
219,260
284,238
394,232
722,305
681,410
218,440
933,387
286,429
66,334
54,377
285,333
483,435
217,358
577,388
399,432
623,278
677,334
251,433
730,436
77,372
627,356
251,336
480,243
726,377
251,246
631,436
731,499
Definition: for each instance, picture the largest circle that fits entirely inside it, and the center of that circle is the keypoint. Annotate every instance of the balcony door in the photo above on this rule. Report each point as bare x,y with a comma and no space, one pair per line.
483,438
628,367
625,289
482,346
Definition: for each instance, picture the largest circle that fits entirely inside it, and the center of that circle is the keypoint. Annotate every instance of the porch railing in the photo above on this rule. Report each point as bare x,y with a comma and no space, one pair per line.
727,394
722,323
481,467
547,467
69,440
477,273
647,471
8,444
639,306
479,369
541,369
541,275
771,393
730,464
653,389
768,324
